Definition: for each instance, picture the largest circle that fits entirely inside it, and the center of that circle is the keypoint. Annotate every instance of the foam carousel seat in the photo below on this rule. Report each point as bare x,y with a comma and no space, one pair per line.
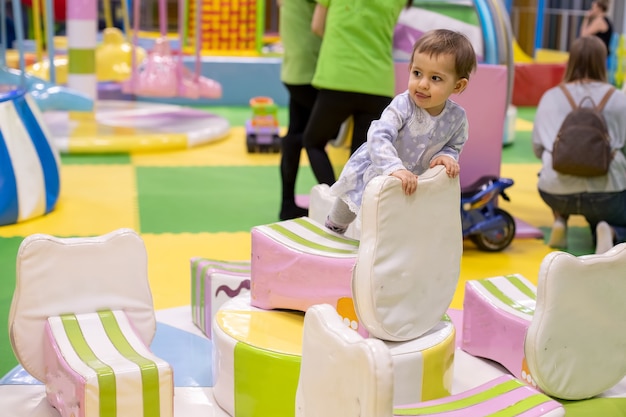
403,256
96,365
257,356
81,321
566,335
337,359
212,283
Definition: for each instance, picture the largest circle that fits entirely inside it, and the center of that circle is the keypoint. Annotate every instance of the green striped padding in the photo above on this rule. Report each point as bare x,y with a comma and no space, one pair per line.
475,400
490,286
289,233
106,375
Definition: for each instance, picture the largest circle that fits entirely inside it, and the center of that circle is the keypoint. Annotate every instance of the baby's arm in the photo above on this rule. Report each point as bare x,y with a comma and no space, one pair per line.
449,154
452,166
384,131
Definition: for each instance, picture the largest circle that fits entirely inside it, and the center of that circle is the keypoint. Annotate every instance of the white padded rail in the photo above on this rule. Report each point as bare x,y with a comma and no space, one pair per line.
409,259
117,372
78,275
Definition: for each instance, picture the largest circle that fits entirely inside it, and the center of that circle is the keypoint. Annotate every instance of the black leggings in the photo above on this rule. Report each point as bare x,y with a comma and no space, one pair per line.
331,109
301,101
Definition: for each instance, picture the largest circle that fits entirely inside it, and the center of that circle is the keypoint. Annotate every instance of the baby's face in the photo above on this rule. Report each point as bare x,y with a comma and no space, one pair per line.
431,81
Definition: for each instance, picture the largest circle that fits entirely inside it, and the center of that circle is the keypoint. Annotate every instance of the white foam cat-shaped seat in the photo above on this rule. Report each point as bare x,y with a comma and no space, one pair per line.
401,274
82,321
336,360
566,336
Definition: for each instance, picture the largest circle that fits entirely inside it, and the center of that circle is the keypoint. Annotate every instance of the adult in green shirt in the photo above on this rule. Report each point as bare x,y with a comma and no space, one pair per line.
354,73
301,49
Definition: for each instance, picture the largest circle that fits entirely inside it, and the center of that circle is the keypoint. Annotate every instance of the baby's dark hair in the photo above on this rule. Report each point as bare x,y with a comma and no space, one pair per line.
448,42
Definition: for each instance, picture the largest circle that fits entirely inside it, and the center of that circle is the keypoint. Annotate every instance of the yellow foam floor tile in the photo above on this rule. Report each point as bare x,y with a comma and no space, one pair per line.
169,256
526,204
230,151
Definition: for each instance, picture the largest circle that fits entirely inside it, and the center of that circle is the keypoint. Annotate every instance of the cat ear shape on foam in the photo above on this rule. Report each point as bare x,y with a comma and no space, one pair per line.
575,343
336,359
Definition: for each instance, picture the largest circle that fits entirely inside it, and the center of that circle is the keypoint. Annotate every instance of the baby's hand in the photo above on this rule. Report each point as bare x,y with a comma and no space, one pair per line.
452,166
409,180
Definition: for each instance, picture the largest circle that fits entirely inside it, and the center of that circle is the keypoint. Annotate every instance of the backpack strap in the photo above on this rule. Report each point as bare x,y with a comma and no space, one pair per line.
568,95
606,98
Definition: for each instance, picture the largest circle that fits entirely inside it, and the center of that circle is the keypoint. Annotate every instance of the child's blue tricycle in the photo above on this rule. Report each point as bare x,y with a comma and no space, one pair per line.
489,227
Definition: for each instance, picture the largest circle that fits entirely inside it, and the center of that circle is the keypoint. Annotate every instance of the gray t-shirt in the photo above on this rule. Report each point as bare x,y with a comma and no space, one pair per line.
405,137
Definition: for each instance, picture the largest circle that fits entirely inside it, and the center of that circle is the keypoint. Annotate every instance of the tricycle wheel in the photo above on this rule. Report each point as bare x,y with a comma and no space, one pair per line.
496,240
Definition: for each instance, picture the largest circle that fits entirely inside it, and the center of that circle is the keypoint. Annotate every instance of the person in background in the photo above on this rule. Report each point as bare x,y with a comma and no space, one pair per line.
355,73
420,129
597,23
301,49
9,25
601,200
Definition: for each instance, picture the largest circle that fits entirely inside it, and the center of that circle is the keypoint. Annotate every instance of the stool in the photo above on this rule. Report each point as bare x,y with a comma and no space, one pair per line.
258,354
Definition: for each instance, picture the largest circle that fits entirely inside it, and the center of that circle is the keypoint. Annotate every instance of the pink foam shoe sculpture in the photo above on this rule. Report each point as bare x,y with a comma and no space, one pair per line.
164,75
564,336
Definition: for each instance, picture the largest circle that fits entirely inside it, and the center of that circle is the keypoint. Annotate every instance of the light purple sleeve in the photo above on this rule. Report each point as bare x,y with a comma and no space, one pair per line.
457,140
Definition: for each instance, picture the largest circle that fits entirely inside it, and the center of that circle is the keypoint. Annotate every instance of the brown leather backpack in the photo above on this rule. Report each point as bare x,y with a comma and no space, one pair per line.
582,146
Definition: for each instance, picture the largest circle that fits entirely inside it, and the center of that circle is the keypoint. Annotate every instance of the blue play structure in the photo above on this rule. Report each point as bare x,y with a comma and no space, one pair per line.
47,95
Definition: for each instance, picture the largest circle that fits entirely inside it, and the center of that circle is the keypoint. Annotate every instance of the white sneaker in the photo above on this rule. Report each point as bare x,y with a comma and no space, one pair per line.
558,236
604,237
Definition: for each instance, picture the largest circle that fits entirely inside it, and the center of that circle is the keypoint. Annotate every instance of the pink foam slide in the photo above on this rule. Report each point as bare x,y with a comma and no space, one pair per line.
164,75
496,314
214,282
